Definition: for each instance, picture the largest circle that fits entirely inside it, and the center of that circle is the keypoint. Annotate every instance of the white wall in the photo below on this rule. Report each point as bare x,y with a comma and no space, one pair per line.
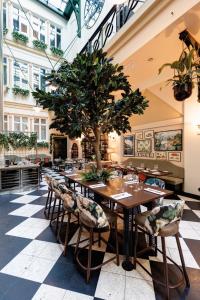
192,144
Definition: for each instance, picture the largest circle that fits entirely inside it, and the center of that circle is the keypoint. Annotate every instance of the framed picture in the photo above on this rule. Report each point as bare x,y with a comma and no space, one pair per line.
144,146
168,140
148,134
174,156
151,155
139,135
129,145
161,155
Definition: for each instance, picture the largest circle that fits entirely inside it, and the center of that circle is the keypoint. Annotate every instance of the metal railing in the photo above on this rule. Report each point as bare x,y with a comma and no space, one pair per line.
112,23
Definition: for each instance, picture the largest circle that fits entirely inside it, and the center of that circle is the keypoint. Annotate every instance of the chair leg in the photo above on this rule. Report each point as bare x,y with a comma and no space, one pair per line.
67,234
61,223
165,266
47,201
78,239
135,246
52,213
89,255
50,200
182,261
116,244
99,239
58,216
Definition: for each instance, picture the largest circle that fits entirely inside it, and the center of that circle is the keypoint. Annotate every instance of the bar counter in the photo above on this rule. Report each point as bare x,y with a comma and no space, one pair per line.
18,176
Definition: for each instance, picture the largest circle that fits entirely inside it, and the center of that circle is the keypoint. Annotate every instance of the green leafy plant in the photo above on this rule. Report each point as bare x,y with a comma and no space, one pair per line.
85,101
42,145
4,142
5,31
186,71
17,140
39,45
56,51
19,91
20,37
96,175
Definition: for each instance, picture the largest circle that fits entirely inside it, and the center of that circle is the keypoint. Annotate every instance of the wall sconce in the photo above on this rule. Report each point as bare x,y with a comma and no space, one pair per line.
112,136
198,129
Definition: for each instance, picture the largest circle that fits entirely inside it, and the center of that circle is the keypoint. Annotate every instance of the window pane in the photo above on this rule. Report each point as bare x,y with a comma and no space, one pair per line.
42,79
24,124
5,123
20,75
36,121
16,123
36,129
43,121
5,75
4,16
43,132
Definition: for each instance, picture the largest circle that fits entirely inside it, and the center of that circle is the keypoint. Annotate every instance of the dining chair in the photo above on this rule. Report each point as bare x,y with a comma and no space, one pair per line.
94,219
162,221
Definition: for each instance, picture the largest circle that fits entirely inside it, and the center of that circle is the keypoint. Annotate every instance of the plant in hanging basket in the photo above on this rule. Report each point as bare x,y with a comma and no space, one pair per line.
19,37
186,71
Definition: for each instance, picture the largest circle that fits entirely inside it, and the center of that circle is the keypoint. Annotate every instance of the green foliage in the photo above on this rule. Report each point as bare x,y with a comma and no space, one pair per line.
186,69
96,175
85,101
18,140
19,91
56,51
20,37
39,45
5,31
42,145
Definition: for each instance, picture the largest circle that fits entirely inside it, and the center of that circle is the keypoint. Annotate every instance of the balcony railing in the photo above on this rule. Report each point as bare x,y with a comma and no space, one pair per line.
112,23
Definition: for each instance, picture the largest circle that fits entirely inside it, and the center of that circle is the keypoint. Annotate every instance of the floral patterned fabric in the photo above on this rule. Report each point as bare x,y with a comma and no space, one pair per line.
91,214
68,197
159,183
160,216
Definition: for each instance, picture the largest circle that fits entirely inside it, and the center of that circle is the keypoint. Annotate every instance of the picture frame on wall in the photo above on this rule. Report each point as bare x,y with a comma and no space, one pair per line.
144,146
161,155
174,156
170,140
129,145
148,134
139,135
151,155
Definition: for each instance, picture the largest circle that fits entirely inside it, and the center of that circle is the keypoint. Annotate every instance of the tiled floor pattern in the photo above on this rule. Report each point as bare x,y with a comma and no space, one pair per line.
32,265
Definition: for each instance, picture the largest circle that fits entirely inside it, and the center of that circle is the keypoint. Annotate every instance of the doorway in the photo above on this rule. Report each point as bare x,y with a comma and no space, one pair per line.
60,147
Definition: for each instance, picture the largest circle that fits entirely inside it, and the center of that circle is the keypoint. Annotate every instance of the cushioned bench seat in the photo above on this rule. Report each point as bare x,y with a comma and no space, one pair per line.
172,180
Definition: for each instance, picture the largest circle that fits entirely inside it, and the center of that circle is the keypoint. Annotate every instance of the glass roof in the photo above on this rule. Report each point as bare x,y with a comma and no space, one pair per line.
56,5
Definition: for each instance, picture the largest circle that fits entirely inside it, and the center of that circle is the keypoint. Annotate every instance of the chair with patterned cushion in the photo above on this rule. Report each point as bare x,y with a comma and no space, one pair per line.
69,208
47,208
94,218
158,183
162,221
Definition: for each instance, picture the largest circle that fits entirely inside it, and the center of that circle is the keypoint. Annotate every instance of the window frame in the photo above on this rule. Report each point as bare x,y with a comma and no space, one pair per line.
21,75
21,17
5,69
56,28
40,125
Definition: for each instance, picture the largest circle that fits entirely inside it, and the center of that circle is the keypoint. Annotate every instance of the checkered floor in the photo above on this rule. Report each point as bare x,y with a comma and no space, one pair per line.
32,265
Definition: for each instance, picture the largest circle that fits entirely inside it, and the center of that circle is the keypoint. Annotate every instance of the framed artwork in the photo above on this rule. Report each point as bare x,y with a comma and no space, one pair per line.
144,146
161,155
129,145
151,155
168,140
139,135
174,156
148,134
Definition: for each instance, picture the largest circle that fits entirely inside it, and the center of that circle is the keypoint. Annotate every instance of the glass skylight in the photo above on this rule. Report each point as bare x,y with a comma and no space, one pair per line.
56,5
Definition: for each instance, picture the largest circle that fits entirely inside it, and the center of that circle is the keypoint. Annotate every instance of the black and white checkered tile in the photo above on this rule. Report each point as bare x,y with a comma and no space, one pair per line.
32,265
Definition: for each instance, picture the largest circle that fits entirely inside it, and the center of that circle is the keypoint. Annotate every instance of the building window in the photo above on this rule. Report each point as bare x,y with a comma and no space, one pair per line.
5,71
20,75
39,78
17,124
40,127
5,123
4,15
55,37
20,22
24,124
39,29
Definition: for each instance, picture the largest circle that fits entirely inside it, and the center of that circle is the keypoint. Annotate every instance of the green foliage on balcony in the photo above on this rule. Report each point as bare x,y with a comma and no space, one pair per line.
57,52
42,145
19,91
19,37
39,45
16,140
5,31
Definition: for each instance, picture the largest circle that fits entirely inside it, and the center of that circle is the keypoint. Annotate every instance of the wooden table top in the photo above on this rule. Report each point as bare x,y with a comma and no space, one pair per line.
117,186
148,172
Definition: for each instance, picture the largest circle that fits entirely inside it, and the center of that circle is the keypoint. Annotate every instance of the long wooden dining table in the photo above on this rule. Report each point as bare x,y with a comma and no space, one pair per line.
129,204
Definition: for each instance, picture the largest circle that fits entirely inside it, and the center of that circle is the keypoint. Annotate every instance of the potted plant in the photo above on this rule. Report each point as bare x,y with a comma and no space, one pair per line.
185,73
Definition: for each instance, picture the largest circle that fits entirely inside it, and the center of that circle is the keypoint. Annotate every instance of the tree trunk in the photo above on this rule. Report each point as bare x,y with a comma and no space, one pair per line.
97,134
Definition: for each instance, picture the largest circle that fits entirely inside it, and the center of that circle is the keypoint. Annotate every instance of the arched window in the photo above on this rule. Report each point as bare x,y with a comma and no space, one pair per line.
74,154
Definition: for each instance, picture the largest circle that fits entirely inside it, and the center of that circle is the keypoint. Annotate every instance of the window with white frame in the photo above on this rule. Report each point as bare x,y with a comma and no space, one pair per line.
40,127
55,37
20,22
39,29
20,75
4,15
20,124
5,71
39,78
5,125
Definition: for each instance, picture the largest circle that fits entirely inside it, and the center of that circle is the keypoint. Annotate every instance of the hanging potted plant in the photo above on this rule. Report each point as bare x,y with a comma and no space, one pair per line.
186,70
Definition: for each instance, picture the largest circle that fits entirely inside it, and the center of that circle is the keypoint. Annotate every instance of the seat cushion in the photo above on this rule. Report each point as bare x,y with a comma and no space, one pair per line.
68,197
172,180
155,220
91,214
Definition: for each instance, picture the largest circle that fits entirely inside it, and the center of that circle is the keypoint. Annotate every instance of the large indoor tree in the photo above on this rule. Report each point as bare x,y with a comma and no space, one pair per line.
92,97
